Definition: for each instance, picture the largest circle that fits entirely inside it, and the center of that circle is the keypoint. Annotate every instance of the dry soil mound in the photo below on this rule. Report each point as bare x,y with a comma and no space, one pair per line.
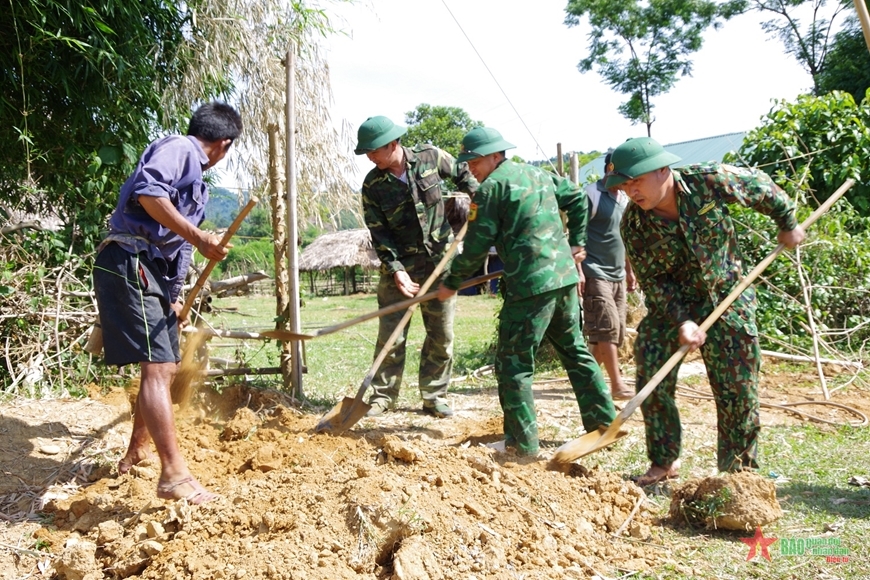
370,504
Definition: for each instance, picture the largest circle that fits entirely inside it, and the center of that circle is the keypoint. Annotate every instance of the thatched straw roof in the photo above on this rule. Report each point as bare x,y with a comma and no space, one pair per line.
340,250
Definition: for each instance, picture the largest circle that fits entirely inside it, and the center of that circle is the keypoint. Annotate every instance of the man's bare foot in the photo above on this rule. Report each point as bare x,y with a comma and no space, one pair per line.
133,457
621,393
658,473
186,488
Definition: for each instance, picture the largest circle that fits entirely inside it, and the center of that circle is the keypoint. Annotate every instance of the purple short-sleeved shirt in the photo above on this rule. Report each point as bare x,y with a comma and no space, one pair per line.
170,167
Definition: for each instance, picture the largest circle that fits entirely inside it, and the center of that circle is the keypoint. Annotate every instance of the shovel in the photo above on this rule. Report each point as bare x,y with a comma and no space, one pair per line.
592,442
288,335
350,410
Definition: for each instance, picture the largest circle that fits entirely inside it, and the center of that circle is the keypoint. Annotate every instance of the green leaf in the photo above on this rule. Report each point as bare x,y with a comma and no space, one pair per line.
110,154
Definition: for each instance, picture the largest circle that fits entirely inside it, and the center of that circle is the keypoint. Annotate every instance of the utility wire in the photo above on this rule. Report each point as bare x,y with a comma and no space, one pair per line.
520,117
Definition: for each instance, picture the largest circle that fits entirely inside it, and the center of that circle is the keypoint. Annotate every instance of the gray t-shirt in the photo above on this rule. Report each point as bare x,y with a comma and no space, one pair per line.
605,252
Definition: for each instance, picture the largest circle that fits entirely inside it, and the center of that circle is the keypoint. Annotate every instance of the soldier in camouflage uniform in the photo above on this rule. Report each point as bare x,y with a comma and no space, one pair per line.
681,242
517,211
404,210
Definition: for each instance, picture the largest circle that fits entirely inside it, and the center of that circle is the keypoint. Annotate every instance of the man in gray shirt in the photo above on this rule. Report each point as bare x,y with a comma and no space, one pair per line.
606,277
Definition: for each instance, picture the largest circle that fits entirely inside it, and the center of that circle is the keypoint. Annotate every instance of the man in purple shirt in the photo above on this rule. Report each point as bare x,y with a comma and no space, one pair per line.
139,272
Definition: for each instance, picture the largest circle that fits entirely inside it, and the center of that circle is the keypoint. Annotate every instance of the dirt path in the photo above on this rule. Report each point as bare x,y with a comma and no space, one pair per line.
404,496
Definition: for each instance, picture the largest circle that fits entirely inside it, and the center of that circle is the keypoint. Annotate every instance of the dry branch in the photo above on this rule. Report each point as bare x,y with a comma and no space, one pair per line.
221,287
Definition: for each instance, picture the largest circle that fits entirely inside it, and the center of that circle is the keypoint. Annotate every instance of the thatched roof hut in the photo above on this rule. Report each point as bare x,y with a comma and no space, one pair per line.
342,251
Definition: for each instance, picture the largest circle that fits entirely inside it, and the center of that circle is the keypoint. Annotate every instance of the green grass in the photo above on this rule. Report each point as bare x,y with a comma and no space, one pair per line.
811,466
337,363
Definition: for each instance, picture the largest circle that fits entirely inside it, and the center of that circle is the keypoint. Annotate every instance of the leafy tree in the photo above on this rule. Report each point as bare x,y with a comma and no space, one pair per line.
847,66
810,46
252,38
258,224
88,84
443,127
584,158
642,48
810,147
82,83
818,142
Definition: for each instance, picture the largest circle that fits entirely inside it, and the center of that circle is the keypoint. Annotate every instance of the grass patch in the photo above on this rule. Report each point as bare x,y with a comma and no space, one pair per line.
700,512
811,466
337,363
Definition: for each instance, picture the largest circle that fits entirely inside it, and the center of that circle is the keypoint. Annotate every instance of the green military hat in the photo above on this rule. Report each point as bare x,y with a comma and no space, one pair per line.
636,157
482,141
376,132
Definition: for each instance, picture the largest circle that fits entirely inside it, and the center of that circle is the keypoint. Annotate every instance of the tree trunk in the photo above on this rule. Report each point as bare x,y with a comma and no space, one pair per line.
279,246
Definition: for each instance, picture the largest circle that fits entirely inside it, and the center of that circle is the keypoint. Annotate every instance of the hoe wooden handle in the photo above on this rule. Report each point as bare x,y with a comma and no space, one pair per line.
200,282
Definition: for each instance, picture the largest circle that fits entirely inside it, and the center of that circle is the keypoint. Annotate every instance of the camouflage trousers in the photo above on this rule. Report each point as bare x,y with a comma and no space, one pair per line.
522,326
733,359
436,356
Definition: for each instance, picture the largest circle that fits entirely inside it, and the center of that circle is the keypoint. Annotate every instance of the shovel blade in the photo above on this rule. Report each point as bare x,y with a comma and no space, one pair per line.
343,416
589,443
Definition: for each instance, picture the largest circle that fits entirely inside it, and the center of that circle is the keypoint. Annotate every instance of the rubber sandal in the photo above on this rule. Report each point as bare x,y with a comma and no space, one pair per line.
648,479
196,497
125,466
622,395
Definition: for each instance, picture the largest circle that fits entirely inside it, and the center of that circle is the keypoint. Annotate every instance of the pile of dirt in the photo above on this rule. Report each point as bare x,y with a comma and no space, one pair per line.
378,502
733,501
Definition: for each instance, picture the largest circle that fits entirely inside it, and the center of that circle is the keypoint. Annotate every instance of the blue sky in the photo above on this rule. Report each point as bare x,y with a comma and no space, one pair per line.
400,53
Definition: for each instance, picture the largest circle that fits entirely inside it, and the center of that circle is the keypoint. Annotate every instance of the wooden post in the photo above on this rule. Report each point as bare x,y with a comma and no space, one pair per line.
279,250
292,229
560,168
864,17
574,168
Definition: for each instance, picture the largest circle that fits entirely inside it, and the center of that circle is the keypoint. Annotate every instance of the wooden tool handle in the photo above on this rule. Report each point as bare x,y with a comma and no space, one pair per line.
420,297
399,327
200,282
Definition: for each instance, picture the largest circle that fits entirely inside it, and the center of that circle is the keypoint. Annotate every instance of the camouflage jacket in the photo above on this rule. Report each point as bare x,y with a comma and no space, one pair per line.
695,259
407,220
517,211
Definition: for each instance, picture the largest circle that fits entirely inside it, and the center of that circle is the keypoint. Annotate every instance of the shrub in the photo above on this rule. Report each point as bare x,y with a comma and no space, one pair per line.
249,257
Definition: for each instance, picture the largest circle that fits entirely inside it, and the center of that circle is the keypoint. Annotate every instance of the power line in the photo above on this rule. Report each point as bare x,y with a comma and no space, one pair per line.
520,117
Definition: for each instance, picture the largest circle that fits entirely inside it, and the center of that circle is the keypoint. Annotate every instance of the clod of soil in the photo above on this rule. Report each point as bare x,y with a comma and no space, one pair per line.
733,501
242,424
